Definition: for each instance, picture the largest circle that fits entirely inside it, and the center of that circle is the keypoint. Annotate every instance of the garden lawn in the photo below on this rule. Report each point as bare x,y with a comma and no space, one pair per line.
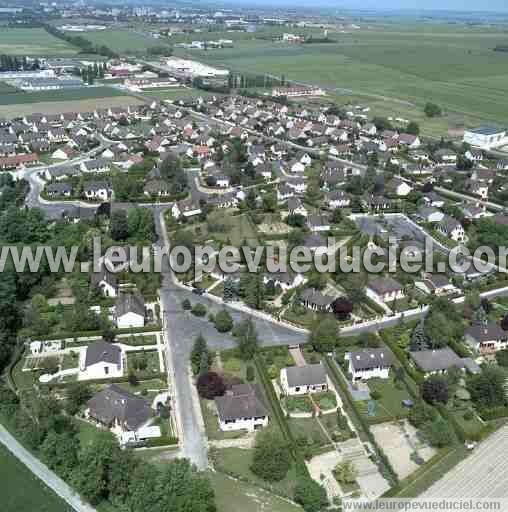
297,404
22,490
472,427
325,400
213,432
308,432
389,405
145,385
235,461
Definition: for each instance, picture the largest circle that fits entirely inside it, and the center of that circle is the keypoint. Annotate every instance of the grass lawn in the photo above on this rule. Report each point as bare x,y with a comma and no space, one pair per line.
235,367
33,42
389,405
308,433
144,364
297,404
123,41
236,461
158,384
304,318
325,400
22,490
87,432
213,431
24,380
473,427
233,495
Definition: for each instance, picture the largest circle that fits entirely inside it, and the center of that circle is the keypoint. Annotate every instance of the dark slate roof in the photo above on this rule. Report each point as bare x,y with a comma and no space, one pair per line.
436,360
371,358
104,275
315,297
100,351
309,375
130,302
384,285
116,403
243,401
482,333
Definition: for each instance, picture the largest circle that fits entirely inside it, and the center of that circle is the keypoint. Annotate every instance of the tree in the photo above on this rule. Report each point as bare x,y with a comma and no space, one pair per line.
247,339
60,452
413,128
119,227
435,389
200,347
419,340
198,309
76,395
204,364
487,387
186,305
421,413
132,379
438,433
271,459
210,385
432,110
223,321
310,495
229,290
323,335
504,323
502,358
109,334
342,308
345,472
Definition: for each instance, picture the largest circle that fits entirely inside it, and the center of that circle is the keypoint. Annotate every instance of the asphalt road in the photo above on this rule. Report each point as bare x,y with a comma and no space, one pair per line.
43,473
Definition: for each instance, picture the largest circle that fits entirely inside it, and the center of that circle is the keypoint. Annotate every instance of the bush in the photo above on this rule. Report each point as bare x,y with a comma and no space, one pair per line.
223,321
250,373
468,415
310,495
271,460
198,310
186,305
375,395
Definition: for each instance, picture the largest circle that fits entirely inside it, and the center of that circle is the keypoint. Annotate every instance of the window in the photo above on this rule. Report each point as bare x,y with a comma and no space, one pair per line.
106,370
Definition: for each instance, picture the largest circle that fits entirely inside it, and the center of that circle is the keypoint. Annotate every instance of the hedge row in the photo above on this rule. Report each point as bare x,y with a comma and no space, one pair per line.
385,466
494,413
161,441
98,334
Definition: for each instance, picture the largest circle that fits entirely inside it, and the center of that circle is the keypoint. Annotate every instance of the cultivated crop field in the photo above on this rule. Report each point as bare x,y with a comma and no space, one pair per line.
33,42
453,67
123,41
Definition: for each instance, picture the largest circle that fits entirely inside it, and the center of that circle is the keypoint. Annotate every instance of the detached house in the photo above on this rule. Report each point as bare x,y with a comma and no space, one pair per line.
439,361
300,380
452,228
384,289
242,408
369,363
100,360
130,311
97,190
486,339
315,300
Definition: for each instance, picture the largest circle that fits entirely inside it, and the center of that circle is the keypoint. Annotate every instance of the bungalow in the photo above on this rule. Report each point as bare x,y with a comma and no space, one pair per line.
242,408
300,380
369,363
295,207
59,189
399,187
429,214
486,339
384,289
439,361
157,187
315,300
97,166
337,199
120,411
100,360
452,228
130,311
435,284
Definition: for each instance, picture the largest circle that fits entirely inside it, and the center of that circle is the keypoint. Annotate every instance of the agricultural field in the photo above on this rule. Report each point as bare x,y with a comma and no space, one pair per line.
33,42
175,93
123,41
22,490
403,65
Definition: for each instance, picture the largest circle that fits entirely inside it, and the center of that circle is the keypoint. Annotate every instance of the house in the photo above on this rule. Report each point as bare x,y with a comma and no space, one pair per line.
296,167
284,192
399,187
337,199
59,189
295,207
157,187
429,214
130,311
285,280
437,361
300,380
452,228
186,207
369,363
242,408
97,190
433,199
474,155
100,360
97,166
120,411
318,223
105,281
409,140
478,188
435,284
445,155
298,185
486,339
315,300
18,161
384,289
485,137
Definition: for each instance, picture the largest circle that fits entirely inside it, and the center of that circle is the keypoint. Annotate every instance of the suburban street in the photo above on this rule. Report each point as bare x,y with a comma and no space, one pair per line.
43,472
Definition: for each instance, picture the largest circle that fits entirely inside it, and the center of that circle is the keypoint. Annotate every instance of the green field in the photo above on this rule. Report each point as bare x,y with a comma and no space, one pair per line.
123,41
84,93
33,42
22,490
454,67
176,93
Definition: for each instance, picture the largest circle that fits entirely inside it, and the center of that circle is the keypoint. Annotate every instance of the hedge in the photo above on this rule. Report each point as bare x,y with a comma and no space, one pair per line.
161,441
385,465
493,413
98,334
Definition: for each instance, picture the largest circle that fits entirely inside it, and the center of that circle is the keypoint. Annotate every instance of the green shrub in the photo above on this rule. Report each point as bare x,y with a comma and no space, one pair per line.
250,373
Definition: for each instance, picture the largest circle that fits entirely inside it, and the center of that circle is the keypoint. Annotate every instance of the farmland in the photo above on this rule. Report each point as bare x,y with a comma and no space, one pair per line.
123,41
456,68
21,490
33,42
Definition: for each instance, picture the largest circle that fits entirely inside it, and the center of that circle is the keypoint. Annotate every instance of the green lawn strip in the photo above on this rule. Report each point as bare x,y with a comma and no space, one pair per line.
232,495
22,490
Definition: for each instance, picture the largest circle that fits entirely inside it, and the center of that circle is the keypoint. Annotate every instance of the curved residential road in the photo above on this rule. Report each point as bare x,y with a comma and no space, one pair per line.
44,473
